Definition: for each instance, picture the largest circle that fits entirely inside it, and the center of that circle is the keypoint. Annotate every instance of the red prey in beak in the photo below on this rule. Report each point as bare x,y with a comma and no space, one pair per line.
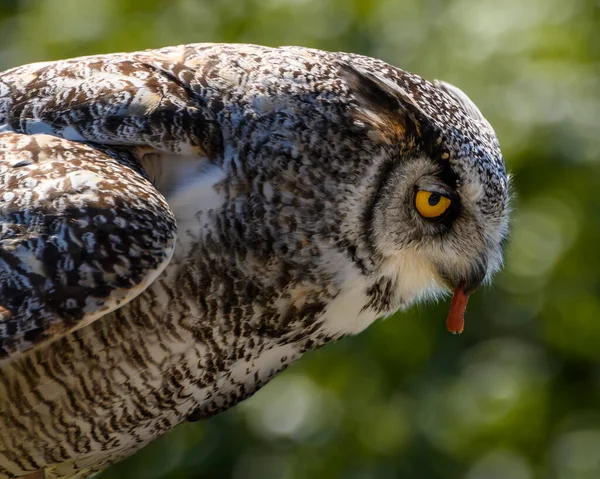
456,317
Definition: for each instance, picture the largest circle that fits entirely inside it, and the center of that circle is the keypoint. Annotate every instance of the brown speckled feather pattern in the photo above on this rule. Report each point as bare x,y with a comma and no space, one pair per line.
82,231
179,225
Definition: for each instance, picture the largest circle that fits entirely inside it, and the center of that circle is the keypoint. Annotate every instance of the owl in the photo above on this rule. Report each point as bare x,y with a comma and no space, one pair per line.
179,225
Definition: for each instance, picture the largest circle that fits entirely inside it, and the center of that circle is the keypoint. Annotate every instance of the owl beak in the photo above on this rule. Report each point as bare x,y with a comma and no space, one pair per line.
466,283
473,280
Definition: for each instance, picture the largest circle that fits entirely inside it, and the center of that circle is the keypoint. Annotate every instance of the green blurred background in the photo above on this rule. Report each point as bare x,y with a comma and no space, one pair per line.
517,396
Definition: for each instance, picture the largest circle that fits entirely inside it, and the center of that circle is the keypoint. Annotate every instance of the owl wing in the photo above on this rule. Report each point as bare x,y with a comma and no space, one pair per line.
82,232
155,100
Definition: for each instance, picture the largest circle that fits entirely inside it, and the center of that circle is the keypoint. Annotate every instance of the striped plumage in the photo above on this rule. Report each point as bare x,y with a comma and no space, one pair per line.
179,225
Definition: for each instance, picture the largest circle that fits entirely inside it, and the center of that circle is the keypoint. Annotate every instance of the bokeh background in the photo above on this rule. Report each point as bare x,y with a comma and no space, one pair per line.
517,396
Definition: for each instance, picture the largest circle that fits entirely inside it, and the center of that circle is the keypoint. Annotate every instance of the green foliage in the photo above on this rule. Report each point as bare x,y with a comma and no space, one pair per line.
517,395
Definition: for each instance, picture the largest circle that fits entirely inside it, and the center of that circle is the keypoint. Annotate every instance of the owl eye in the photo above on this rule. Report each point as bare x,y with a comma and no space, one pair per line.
431,205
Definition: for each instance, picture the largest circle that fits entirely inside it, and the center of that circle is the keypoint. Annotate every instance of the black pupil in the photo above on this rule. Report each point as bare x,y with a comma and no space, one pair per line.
434,199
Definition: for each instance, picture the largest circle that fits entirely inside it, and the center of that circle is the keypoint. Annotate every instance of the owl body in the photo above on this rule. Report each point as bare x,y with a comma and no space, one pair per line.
182,224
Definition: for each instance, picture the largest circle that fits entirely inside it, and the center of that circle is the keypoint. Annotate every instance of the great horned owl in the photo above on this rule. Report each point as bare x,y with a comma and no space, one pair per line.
179,225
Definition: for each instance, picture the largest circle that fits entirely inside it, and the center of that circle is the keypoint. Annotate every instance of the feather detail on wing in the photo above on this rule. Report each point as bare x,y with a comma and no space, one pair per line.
82,232
145,99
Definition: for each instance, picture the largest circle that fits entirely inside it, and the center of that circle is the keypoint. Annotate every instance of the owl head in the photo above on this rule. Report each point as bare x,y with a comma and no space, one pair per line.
439,212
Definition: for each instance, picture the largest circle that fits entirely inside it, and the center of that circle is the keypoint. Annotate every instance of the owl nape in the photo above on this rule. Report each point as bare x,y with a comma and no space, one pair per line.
179,225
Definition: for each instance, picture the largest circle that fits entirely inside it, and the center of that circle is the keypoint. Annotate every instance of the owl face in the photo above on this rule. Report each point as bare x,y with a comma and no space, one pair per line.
439,214
428,210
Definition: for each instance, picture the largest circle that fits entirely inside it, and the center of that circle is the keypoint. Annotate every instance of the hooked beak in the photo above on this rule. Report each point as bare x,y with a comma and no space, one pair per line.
467,283
473,280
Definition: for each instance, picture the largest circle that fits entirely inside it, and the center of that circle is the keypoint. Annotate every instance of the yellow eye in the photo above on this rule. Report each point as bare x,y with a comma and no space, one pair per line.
431,205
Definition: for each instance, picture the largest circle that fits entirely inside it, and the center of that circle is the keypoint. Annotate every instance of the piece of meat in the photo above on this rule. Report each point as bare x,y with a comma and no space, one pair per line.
456,318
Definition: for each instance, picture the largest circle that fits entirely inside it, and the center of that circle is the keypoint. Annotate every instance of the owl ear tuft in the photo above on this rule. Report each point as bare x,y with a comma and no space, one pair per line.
466,103
382,104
